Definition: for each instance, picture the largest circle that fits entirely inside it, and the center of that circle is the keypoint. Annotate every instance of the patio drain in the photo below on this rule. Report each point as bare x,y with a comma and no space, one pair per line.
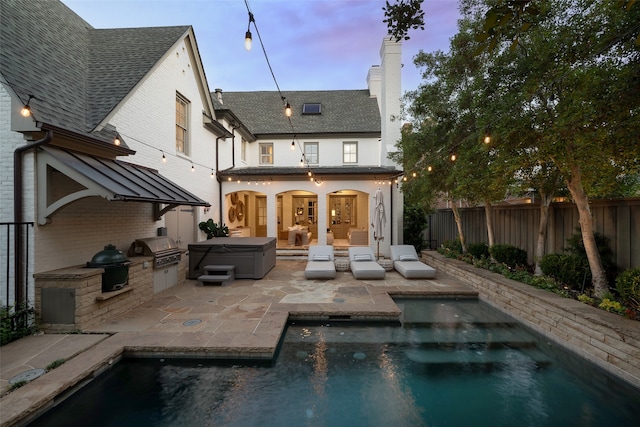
29,375
192,322
338,300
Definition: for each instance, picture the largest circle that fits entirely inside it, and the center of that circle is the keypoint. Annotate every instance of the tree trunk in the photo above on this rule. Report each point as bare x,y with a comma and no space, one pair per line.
545,201
600,286
489,220
456,215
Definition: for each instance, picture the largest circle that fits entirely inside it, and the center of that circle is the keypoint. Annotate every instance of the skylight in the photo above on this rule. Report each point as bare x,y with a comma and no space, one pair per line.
312,108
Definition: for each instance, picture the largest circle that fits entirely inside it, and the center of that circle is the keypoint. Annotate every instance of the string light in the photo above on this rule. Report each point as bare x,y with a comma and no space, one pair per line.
453,157
193,168
429,168
293,145
287,110
213,175
26,109
116,140
487,139
164,158
248,42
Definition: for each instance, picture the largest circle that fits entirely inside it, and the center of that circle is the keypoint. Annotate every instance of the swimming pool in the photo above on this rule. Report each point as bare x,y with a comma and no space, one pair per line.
451,363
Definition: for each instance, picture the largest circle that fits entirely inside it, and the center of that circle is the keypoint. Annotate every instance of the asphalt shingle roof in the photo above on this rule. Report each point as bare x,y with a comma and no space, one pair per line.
77,74
343,111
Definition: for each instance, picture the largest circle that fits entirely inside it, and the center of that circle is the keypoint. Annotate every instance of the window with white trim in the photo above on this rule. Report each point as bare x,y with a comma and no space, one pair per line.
311,152
350,152
182,124
266,153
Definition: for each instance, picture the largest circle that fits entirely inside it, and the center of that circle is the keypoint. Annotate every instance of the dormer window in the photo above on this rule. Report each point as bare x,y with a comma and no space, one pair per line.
312,108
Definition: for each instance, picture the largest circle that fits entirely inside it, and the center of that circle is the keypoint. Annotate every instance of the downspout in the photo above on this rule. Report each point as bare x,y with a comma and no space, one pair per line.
17,213
233,164
218,178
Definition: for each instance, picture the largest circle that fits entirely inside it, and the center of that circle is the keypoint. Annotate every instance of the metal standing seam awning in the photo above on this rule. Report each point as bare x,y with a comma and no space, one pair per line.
108,178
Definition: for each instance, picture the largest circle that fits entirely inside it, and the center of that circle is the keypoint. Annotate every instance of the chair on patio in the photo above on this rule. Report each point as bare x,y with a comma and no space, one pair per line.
406,262
363,264
320,264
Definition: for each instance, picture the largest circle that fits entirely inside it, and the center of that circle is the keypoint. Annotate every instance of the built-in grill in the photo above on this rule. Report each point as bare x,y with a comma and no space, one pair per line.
164,250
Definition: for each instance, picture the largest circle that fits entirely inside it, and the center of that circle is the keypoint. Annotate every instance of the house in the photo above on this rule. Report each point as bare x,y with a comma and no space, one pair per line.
319,168
120,139
125,140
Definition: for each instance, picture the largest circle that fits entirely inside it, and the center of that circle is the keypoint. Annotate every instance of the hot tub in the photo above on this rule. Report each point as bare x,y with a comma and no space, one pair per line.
253,257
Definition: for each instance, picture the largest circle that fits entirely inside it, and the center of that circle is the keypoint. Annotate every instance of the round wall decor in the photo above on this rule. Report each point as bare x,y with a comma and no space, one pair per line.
232,214
240,211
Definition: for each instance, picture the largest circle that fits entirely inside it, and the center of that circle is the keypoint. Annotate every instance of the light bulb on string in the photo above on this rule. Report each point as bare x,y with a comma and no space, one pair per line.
287,110
248,42
453,157
293,145
164,158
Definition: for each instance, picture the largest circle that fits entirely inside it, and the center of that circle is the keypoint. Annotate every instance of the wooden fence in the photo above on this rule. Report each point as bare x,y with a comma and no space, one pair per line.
618,220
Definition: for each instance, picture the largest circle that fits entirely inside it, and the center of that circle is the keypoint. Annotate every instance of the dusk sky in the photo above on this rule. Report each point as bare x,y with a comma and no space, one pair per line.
311,44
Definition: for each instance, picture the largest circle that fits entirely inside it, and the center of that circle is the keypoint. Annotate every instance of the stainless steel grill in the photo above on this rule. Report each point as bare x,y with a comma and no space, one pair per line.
164,250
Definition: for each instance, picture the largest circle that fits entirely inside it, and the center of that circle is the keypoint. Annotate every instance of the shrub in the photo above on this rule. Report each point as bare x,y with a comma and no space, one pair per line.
586,299
15,323
415,221
509,255
575,246
572,270
611,306
453,245
628,285
479,250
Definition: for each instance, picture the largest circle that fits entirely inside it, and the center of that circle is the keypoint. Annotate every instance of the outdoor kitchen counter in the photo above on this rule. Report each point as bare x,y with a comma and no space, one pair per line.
71,298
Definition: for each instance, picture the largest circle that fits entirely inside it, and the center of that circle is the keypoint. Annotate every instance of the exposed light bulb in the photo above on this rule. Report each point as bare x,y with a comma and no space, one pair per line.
164,158
429,169
487,139
453,157
193,168
26,111
293,145
287,110
247,41
116,141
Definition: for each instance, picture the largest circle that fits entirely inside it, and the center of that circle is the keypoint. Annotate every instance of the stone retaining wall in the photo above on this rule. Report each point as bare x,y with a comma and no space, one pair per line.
605,339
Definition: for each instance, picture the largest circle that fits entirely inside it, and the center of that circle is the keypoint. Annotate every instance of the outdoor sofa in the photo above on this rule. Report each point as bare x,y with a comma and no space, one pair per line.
320,264
408,264
363,264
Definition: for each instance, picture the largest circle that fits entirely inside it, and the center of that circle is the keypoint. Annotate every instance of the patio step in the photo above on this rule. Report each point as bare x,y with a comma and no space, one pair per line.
217,274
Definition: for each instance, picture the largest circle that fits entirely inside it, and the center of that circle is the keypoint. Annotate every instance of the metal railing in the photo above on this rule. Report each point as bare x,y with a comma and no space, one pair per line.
16,288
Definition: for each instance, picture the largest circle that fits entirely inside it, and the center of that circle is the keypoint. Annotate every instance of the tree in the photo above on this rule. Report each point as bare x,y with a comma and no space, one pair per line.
561,103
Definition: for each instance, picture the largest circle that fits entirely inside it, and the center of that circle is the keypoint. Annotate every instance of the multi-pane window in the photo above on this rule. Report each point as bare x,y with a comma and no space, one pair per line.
182,128
350,152
311,152
266,153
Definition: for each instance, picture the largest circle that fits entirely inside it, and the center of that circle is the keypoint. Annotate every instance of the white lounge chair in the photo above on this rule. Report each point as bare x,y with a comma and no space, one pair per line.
320,264
406,262
362,262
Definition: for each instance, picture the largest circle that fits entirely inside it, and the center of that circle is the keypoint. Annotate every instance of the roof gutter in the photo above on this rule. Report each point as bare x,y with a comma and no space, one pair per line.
18,241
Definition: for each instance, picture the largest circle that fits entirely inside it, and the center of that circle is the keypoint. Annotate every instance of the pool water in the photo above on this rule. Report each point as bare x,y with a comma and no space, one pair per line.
451,363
